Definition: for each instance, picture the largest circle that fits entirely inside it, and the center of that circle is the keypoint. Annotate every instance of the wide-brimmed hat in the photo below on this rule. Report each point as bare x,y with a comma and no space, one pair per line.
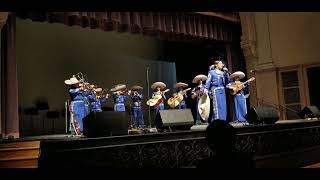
199,77
239,74
71,81
136,88
97,89
158,84
204,106
180,84
118,87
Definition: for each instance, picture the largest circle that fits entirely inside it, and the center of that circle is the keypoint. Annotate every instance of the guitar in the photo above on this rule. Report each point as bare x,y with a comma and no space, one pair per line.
177,98
184,91
239,86
156,100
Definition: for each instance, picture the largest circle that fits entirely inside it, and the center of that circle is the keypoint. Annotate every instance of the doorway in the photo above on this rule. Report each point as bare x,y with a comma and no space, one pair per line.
313,74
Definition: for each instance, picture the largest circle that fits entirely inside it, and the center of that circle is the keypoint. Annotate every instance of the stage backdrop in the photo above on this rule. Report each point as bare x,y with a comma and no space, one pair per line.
47,54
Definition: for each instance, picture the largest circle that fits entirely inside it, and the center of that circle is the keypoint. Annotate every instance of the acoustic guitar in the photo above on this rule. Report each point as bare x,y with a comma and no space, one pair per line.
176,100
156,100
239,86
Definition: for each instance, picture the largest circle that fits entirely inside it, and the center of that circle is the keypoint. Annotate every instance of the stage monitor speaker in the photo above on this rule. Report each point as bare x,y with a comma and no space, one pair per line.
106,123
262,115
179,119
309,112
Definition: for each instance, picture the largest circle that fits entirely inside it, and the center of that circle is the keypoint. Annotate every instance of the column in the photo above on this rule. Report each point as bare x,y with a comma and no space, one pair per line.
248,45
9,80
3,19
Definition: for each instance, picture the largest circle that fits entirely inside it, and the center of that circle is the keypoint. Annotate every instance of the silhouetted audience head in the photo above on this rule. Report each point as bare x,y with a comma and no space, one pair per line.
220,135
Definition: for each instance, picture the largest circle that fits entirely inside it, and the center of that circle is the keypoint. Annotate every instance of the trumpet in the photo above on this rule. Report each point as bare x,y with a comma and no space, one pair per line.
103,94
81,77
133,93
87,86
83,81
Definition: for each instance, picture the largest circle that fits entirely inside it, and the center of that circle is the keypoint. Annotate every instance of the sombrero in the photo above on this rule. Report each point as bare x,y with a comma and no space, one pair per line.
98,89
72,81
118,87
158,84
136,87
240,74
211,67
199,77
204,106
180,84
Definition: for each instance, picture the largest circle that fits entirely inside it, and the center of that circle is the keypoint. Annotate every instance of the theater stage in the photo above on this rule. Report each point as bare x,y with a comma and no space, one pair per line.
290,143
181,148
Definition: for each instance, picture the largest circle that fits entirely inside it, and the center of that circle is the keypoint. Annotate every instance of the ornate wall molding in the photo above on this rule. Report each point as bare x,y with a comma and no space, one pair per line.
248,38
249,47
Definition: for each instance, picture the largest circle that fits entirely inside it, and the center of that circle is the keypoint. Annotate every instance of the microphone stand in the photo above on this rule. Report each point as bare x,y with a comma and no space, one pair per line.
66,115
276,105
130,111
149,110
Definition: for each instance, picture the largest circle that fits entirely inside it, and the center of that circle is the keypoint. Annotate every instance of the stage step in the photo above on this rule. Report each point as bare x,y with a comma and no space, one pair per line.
24,154
22,163
317,165
18,144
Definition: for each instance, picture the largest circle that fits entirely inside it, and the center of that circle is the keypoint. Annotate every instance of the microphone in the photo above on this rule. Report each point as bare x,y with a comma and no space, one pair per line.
225,69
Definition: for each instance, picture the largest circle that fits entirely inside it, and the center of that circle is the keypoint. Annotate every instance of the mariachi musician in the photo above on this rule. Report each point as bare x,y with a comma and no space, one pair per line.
237,89
218,78
137,97
197,93
158,96
182,93
120,97
78,106
85,86
97,97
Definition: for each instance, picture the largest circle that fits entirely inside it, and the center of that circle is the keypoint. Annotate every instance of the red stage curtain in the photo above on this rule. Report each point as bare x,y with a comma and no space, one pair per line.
164,25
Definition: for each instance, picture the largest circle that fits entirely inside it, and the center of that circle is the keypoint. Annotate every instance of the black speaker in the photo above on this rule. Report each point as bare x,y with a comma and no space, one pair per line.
265,115
106,123
309,112
179,119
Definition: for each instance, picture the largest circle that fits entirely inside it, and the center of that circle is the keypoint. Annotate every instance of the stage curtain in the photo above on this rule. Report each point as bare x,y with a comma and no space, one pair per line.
9,80
164,25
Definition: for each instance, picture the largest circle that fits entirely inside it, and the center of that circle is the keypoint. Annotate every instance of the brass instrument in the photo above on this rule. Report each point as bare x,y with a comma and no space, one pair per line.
83,81
85,85
134,90
133,93
103,94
